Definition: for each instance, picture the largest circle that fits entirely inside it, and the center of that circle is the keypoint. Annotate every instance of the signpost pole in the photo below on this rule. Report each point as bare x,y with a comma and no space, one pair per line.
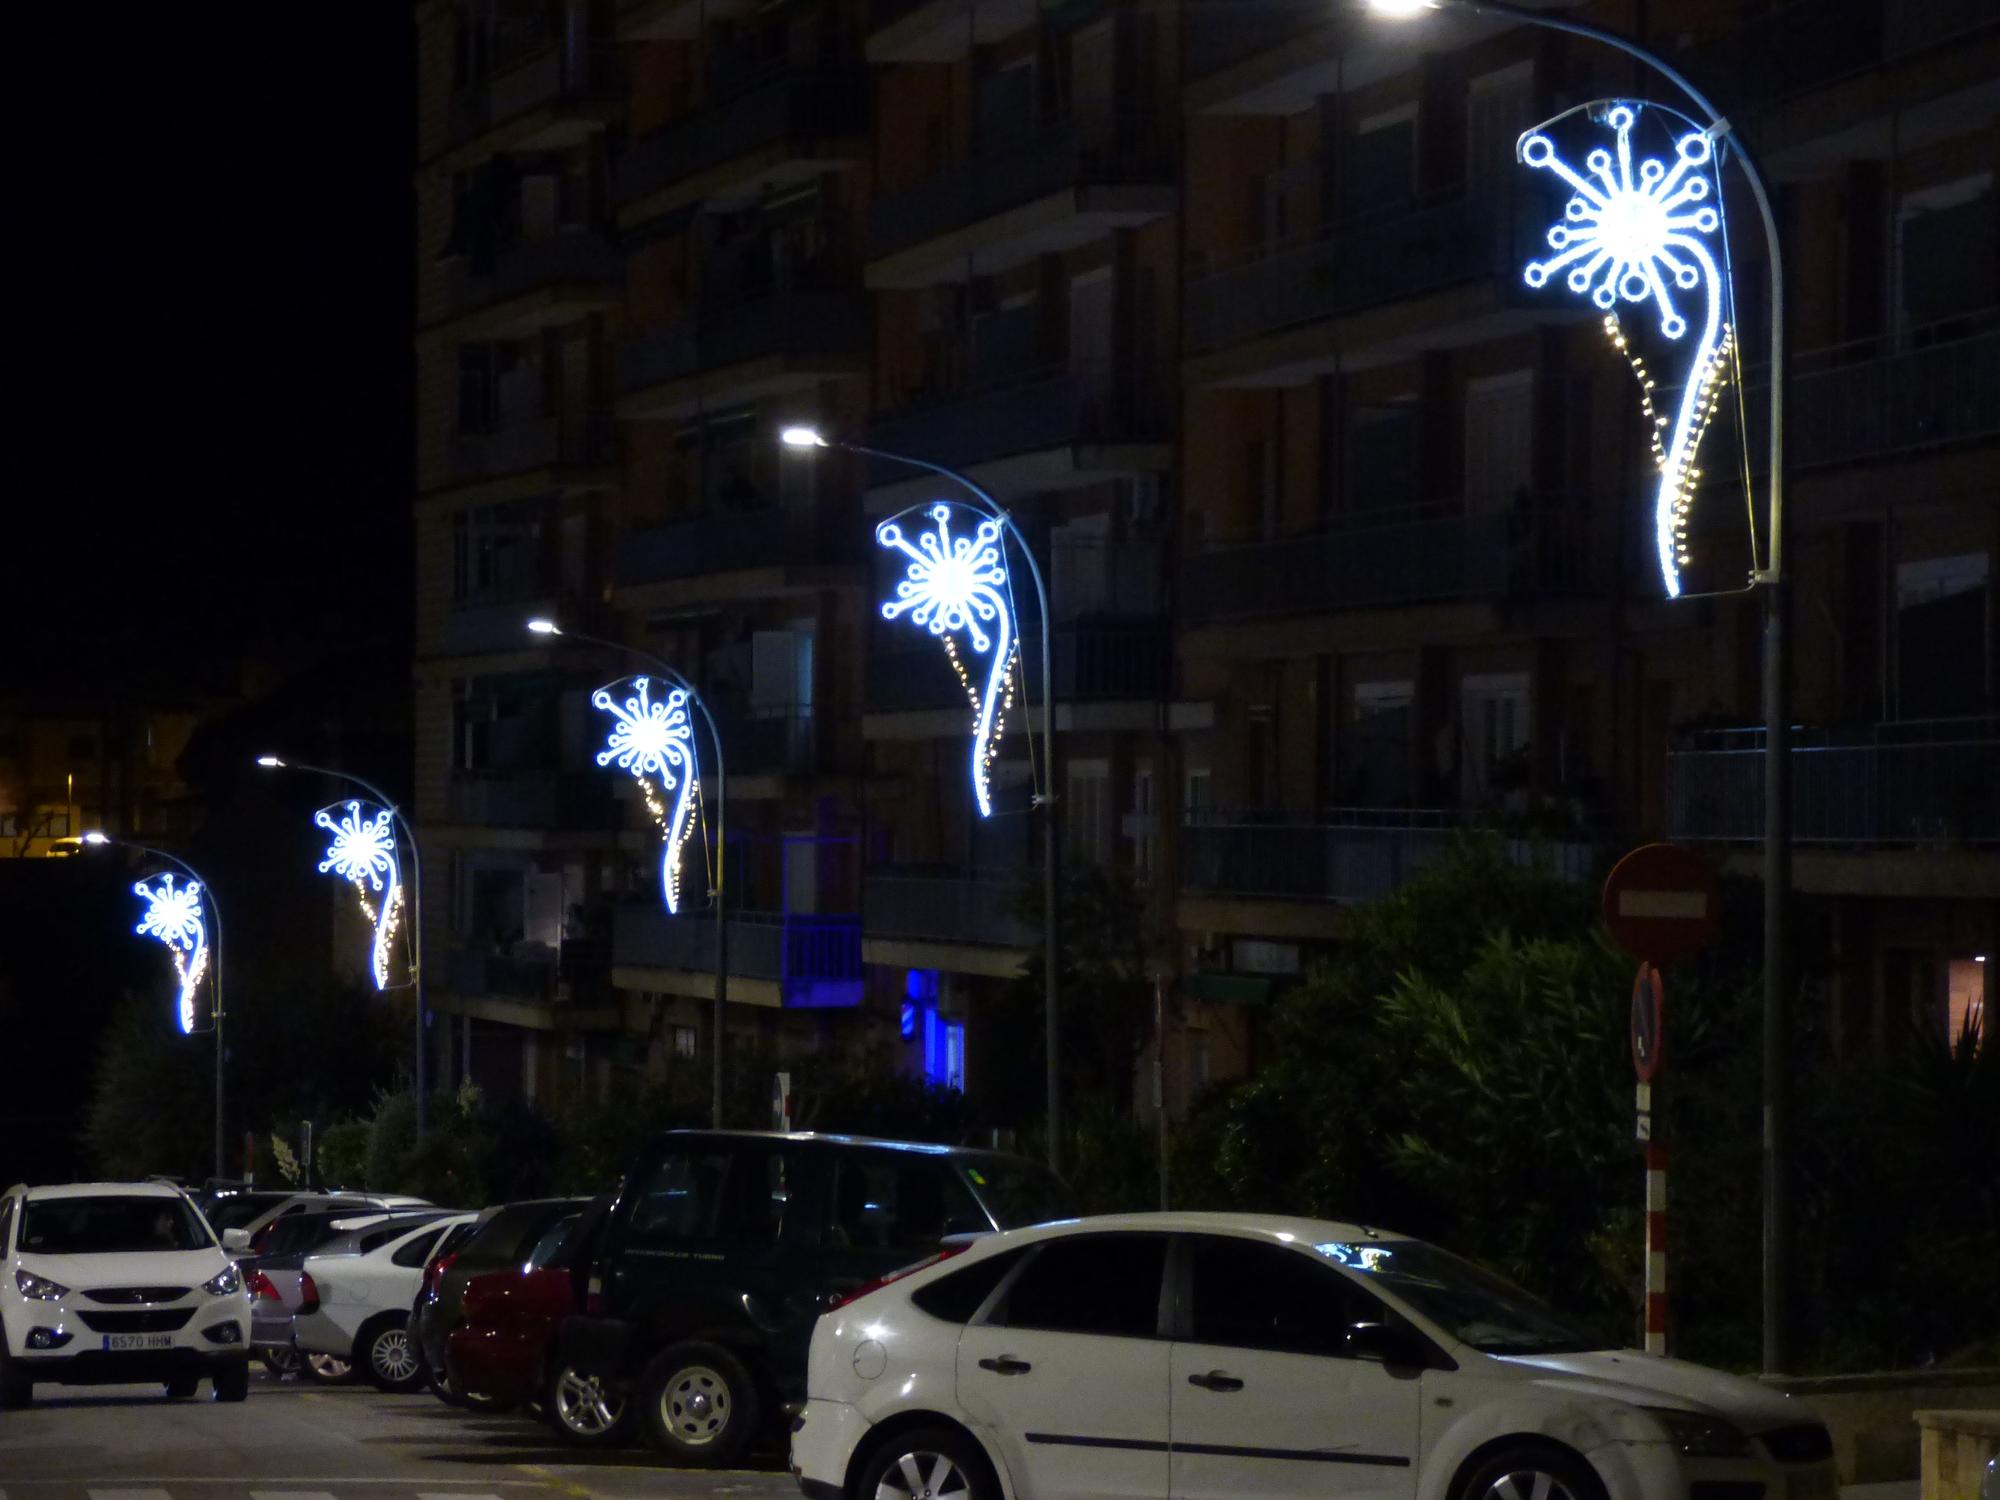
1656,1247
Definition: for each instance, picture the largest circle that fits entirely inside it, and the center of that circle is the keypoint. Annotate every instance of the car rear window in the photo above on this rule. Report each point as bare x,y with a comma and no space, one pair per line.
735,1195
900,1202
109,1226
510,1236
956,1297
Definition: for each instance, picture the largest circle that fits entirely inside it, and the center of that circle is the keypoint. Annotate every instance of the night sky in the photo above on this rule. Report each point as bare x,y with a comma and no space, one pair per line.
214,286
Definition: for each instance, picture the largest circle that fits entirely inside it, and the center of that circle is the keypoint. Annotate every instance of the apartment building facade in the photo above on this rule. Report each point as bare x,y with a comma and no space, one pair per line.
1343,526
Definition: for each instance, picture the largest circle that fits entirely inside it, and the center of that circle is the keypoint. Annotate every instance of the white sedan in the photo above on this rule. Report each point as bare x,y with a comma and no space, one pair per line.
1226,1356
357,1295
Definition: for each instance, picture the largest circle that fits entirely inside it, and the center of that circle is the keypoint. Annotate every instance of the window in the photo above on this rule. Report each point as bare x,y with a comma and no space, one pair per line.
1965,1009
552,1240
684,1042
1089,789
1091,1283
1379,769
1947,235
1145,827
1247,1295
1381,162
1198,799
6,1222
944,1051
1499,439
111,1226
734,1196
887,1203
1495,709
1380,461
496,554
1941,636
957,1297
418,1250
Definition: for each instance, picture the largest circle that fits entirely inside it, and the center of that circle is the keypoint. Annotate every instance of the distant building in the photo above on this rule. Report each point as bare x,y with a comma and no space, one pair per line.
1346,528
69,765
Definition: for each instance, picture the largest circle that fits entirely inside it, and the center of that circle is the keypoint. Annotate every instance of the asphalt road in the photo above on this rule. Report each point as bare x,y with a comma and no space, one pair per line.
289,1442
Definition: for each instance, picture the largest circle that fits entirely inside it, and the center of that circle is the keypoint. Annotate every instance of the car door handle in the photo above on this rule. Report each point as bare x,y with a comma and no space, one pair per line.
1215,1380
1006,1364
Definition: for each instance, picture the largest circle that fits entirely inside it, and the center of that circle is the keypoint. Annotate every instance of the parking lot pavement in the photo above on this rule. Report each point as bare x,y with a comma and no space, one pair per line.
318,1443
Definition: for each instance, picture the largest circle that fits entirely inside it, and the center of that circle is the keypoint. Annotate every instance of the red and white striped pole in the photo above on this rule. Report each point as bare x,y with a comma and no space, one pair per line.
1656,1248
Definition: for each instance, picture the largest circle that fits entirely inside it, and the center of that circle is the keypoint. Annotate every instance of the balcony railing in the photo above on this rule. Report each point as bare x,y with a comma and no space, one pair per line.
1084,152
814,959
580,801
1919,783
501,976
518,446
1124,401
784,323
572,256
560,74
1351,855
724,541
1093,661
1357,264
1214,37
495,624
823,103
1842,406
958,907
1406,557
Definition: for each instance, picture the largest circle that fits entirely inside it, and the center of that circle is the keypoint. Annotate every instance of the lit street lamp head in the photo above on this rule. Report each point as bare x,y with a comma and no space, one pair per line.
802,437
544,627
270,762
95,838
1401,10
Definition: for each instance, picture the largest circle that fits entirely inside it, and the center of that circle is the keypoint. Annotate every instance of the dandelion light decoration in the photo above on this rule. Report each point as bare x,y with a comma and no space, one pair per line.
363,852
1633,232
955,586
654,740
174,916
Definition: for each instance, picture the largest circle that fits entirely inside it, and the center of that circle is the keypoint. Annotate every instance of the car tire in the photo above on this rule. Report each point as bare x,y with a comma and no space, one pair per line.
232,1381
698,1404
939,1462
280,1362
16,1389
1516,1472
446,1390
183,1386
582,1412
388,1356
327,1369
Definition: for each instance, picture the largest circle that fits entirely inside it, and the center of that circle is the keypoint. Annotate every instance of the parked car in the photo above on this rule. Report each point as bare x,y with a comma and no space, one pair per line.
252,1237
357,1295
1222,1355
117,1283
723,1246
503,1237
505,1345
235,1209
277,1289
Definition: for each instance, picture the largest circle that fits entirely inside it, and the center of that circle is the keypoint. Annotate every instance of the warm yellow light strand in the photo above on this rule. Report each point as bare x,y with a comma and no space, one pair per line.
1708,400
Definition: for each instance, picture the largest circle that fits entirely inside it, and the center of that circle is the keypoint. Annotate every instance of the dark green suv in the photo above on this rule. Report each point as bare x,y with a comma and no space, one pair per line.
725,1246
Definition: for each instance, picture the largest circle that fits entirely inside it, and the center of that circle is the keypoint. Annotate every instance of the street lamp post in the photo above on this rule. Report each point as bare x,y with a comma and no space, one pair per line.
274,763
805,440
214,909
678,679
1776,663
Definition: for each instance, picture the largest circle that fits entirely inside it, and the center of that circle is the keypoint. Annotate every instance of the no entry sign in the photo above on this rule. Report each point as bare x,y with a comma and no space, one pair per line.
1662,903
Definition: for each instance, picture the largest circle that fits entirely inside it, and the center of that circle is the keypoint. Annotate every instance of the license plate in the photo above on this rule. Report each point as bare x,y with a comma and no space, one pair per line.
1820,1484
114,1342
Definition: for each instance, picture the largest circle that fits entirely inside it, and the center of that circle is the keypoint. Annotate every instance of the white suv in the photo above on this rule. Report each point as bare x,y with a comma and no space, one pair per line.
1218,1356
111,1283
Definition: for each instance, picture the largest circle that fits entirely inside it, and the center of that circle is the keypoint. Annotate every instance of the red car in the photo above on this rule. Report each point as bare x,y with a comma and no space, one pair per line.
504,1348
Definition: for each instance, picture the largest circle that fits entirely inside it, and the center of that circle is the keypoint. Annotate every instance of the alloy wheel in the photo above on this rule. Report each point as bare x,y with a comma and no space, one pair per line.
923,1475
583,1406
395,1360
695,1406
1527,1484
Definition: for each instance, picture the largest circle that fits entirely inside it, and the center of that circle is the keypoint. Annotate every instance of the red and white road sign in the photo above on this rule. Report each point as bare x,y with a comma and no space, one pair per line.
1662,903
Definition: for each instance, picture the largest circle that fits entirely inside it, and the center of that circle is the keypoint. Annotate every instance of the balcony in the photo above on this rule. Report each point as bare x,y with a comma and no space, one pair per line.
725,542
526,446
479,627
551,100
1350,855
545,801
941,30
1093,661
1349,268
574,978
1425,554
674,20
1842,406
1036,194
770,131
1929,784
537,284
788,341
781,742
921,906
793,960
1044,429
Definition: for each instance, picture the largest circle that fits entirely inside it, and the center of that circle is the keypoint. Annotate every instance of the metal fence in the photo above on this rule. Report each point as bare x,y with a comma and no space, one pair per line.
782,323
821,103
573,255
1919,782
560,73
1094,402
814,958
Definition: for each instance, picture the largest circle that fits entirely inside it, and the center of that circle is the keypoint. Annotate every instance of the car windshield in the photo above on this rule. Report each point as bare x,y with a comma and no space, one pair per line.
1016,1192
1478,1308
109,1226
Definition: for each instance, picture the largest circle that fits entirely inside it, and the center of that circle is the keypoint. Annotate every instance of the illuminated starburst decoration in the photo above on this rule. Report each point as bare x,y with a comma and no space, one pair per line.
957,586
654,740
363,853
174,916
1633,233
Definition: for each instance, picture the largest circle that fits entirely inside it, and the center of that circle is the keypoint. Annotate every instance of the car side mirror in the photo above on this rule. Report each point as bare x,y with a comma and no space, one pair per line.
236,1239
1387,1344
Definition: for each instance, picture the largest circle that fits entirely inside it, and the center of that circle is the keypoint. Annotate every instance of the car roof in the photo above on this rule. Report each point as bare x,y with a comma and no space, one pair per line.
822,1138
103,1190
1284,1229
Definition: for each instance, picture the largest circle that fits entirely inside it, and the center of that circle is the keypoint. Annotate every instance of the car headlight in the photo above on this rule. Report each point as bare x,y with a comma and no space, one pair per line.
228,1284
38,1288
1698,1435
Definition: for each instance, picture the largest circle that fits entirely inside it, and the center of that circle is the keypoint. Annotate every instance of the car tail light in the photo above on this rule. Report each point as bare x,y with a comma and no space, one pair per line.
894,1276
309,1292
434,1272
260,1286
